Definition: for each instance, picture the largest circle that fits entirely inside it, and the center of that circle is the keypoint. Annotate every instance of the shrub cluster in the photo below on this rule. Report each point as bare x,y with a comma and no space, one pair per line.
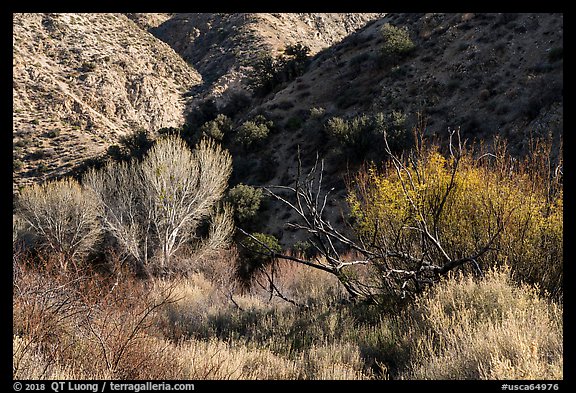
363,135
268,72
246,201
512,211
151,207
217,128
256,257
253,132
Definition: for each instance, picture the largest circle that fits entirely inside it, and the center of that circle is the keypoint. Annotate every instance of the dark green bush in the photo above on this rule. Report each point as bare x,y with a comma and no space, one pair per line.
256,256
253,131
136,144
364,134
250,133
269,72
246,202
217,128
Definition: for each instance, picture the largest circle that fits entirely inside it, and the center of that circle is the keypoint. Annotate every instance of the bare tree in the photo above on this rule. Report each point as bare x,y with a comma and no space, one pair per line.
155,206
120,194
63,217
183,187
404,255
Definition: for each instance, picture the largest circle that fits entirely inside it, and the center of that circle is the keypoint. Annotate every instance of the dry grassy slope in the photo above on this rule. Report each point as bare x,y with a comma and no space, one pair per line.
80,81
488,74
220,45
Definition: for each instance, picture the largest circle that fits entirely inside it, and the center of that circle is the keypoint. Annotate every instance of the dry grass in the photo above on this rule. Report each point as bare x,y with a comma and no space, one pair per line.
490,329
464,329
215,359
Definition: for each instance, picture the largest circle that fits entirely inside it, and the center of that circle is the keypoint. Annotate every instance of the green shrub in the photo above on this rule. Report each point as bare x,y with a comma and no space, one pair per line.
256,257
304,248
217,128
363,135
254,131
397,42
250,133
246,201
135,144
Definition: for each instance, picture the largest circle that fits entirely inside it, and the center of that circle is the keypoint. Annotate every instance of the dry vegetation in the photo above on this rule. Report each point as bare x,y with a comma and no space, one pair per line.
188,328
169,257
195,319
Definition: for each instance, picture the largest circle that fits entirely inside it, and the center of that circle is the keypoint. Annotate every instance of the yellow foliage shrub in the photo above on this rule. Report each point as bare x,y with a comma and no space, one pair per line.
514,209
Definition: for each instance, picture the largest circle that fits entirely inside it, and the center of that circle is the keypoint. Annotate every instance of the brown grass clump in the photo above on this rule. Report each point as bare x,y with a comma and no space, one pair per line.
488,329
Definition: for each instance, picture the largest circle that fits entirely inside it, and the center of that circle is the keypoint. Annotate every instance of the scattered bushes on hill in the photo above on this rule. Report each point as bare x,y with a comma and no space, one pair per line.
363,135
268,72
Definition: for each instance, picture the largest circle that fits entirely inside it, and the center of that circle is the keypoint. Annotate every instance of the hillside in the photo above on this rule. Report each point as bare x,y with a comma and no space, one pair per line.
288,197
222,46
485,73
489,74
82,80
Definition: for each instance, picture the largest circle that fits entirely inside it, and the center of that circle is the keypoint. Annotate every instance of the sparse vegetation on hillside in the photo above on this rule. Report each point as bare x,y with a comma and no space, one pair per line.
268,72
363,135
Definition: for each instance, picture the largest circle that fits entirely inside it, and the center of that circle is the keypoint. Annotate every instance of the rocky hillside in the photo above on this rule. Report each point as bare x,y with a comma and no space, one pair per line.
222,46
82,80
489,74
486,73
148,21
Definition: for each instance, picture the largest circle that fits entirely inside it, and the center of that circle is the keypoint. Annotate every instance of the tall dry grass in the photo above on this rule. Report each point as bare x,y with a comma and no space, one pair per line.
98,326
488,329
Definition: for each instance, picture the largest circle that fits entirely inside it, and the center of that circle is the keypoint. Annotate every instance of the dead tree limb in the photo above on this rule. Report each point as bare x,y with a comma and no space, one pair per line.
403,269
